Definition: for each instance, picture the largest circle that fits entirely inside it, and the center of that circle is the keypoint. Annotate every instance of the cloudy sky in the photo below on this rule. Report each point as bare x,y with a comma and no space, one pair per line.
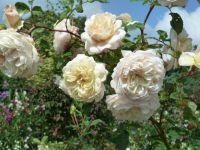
159,19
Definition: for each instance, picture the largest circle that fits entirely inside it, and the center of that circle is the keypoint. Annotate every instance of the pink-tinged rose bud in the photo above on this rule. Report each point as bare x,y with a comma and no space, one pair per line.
62,40
12,17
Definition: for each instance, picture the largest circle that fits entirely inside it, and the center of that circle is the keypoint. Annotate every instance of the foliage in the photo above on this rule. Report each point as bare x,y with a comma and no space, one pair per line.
36,114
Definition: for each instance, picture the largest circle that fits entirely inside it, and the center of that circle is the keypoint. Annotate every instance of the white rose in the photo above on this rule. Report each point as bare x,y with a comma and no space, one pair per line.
12,17
173,2
102,32
125,17
190,58
18,56
62,39
138,74
83,79
137,110
180,42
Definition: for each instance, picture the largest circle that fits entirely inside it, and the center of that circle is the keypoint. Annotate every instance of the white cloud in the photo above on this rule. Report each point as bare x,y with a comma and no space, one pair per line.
190,19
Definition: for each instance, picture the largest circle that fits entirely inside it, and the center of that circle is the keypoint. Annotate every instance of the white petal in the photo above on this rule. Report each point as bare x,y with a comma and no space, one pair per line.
186,59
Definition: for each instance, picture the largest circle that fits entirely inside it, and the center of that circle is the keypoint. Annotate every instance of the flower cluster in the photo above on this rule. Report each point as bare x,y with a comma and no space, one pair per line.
136,79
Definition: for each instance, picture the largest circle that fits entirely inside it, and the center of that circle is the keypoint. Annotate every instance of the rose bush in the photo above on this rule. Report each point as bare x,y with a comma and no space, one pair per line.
68,82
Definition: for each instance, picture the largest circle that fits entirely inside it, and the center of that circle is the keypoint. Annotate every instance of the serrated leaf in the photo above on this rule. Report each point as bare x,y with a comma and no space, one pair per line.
22,8
176,22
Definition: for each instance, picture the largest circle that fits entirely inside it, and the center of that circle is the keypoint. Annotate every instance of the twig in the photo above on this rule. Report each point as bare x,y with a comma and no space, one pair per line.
145,21
53,30
157,40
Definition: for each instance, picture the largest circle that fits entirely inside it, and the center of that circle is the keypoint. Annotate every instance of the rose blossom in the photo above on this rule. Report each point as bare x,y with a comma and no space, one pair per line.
12,17
137,110
136,79
173,2
18,56
62,39
102,32
190,58
83,79
138,74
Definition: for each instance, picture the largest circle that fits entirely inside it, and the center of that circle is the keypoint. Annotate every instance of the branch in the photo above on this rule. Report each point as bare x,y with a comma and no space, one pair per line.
160,132
54,30
145,21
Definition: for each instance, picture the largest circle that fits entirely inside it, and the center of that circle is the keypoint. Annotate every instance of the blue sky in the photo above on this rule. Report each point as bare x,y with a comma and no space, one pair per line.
159,18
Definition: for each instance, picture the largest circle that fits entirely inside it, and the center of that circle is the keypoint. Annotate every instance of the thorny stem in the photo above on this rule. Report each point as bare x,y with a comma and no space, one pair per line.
160,132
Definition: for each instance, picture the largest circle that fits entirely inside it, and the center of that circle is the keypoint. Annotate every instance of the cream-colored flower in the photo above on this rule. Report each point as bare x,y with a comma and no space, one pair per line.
125,17
190,58
137,110
12,17
102,32
18,56
83,79
170,3
62,39
138,74
180,42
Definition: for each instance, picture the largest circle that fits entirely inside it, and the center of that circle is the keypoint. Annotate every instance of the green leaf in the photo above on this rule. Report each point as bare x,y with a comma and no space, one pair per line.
192,106
22,8
79,7
44,140
121,140
70,3
96,122
91,1
37,9
163,35
102,1
173,135
36,141
176,22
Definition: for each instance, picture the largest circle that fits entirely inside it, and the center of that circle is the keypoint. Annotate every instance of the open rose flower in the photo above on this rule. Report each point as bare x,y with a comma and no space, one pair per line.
138,74
12,17
137,79
190,58
102,32
83,79
170,3
181,42
18,56
62,39
137,110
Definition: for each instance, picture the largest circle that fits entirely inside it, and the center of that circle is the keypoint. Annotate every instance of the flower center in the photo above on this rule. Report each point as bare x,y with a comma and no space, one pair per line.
102,27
